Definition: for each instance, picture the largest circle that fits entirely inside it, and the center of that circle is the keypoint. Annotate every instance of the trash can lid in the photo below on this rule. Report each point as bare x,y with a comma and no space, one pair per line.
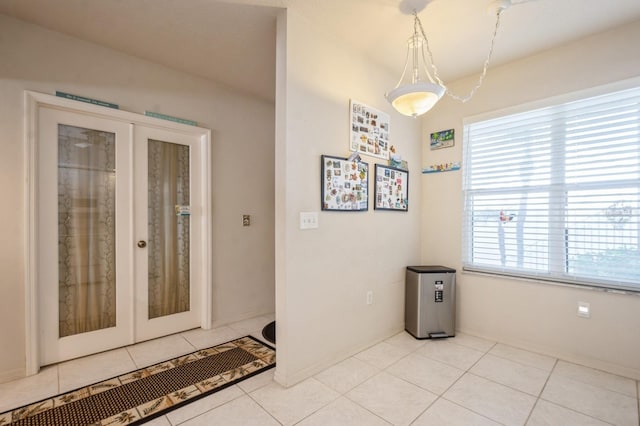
430,269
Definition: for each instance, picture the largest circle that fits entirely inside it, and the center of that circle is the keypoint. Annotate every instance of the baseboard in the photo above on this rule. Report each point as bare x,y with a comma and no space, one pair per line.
219,322
11,375
293,378
619,370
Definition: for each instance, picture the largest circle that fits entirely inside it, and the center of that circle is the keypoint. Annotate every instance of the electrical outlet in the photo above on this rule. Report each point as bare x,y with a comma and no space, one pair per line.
584,310
370,297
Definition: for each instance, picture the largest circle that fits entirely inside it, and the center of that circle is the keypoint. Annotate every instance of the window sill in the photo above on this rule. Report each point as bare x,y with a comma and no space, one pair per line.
479,272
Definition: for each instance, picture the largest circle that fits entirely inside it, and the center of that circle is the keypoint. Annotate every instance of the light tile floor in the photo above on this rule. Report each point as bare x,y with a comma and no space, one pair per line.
402,381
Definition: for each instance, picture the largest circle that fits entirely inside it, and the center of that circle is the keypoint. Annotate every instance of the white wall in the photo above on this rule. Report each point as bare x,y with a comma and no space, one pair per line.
243,155
540,317
322,275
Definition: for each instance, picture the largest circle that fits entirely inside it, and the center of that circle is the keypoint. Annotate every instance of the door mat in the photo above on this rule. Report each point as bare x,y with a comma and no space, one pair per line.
144,394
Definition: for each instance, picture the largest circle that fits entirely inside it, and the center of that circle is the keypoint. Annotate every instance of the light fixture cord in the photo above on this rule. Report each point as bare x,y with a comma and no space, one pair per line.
435,69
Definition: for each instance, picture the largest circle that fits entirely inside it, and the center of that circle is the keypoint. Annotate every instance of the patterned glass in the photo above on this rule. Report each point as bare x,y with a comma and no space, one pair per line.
168,245
86,230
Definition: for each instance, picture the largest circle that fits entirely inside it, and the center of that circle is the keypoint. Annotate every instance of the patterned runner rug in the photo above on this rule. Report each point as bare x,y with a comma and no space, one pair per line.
144,394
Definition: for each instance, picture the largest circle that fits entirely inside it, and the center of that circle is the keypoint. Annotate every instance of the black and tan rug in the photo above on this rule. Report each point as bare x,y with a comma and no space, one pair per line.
144,394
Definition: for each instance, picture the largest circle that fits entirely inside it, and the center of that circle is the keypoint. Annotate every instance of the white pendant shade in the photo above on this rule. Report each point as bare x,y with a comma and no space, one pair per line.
416,98
424,87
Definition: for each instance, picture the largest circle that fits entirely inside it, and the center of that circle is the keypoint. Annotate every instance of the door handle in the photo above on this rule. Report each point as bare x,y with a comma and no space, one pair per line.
142,244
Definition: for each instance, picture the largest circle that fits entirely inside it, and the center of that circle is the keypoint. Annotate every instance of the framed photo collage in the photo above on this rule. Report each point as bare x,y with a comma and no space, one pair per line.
345,186
345,181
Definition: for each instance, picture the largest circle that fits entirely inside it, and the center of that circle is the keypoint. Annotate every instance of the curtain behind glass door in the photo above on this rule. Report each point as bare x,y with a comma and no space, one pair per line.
168,245
86,230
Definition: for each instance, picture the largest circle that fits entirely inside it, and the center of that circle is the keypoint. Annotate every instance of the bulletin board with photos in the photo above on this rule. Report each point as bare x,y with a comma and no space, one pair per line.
391,189
369,130
345,184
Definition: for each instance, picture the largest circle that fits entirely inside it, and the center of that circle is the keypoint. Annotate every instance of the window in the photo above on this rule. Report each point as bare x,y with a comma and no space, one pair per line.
554,193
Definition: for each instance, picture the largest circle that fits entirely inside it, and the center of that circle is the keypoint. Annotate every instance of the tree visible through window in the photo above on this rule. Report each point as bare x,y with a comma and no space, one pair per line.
554,193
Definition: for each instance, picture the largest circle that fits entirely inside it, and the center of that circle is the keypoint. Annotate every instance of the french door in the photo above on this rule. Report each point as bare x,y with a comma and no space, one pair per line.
167,196
120,232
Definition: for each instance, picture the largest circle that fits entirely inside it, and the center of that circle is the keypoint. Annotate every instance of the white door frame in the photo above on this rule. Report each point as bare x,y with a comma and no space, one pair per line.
32,102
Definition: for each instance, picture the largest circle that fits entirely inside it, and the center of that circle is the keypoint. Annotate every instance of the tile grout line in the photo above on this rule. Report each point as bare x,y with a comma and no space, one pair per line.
381,370
243,393
525,364
57,377
573,410
426,409
256,402
188,342
126,348
576,379
412,384
325,405
515,362
507,386
599,386
362,406
471,347
540,398
542,390
467,371
202,413
557,360
269,412
471,410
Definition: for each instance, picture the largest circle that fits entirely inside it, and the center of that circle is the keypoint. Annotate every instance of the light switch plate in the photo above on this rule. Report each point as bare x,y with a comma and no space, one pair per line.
308,220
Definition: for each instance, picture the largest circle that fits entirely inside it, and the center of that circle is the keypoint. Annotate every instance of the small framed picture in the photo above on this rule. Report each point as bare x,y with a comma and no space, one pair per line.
443,139
344,184
392,189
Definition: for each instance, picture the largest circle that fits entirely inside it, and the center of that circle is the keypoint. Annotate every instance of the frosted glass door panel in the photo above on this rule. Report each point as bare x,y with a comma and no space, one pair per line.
83,233
86,230
168,218
169,232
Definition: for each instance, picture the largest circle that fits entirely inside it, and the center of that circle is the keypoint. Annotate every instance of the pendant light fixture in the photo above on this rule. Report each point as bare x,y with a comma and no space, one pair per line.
423,89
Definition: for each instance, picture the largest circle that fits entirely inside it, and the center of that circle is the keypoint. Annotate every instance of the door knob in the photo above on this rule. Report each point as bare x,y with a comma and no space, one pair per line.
142,244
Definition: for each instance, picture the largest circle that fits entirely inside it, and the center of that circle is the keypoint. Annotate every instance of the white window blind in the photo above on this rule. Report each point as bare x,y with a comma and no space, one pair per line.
554,193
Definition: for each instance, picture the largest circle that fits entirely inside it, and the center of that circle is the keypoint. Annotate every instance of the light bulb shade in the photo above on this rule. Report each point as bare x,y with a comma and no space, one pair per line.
416,98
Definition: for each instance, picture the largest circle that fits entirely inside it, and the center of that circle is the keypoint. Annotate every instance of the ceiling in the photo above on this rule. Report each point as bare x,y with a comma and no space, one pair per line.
227,41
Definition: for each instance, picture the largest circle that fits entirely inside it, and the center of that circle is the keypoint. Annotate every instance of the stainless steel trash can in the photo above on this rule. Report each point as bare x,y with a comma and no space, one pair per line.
430,301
